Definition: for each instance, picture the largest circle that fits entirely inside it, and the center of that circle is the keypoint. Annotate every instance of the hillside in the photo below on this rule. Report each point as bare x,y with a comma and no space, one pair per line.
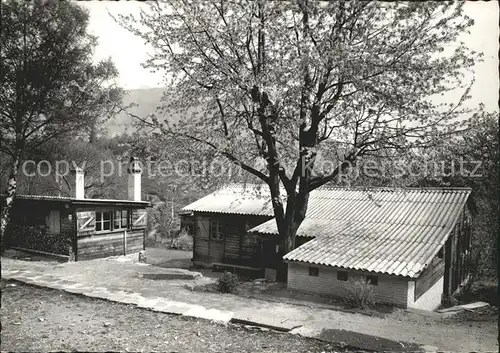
147,100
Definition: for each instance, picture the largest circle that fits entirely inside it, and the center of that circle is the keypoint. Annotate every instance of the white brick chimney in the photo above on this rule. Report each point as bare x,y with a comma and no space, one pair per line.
77,183
134,179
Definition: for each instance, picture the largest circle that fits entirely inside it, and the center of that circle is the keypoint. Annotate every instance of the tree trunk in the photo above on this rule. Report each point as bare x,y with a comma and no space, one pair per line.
295,213
286,240
9,200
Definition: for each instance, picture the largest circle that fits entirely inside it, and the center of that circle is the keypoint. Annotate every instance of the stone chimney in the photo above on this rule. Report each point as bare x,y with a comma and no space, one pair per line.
77,183
134,179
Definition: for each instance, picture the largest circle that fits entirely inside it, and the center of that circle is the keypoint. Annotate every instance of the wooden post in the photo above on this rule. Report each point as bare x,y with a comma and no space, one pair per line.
75,233
447,266
125,242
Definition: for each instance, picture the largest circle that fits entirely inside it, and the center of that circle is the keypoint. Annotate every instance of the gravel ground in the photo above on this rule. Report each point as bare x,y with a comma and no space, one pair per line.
39,319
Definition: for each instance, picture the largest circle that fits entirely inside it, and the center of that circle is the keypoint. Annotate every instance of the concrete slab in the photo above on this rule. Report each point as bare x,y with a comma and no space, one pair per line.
147,303
209,314
167,306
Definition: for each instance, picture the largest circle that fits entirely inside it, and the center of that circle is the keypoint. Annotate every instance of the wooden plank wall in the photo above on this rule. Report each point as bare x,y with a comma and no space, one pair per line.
110,244
92,245
237,247
458,254
200,239
429,277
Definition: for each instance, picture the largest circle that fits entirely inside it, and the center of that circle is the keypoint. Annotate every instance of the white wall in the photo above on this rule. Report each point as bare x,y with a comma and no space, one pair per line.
430,300
390,289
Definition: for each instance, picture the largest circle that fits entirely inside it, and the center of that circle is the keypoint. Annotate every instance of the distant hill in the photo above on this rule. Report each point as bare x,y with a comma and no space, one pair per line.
147,100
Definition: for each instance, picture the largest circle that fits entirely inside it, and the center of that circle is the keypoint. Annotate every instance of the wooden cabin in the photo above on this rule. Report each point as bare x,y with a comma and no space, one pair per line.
219,228
78,228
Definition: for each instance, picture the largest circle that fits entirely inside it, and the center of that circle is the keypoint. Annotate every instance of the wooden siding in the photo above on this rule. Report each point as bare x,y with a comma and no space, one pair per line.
433,273
139,219
92,245
110,244
201,241
85,224
457,253
237,247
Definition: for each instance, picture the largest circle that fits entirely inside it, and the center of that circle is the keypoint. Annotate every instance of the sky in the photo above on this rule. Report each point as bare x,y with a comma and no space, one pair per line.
129,51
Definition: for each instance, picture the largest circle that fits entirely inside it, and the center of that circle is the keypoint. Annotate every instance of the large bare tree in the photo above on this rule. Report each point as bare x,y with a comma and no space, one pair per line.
276,84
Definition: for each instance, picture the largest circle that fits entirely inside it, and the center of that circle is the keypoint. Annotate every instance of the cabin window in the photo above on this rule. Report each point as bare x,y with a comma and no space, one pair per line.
342,276
216,230
106,221
103,221
120,220
373,280
313,271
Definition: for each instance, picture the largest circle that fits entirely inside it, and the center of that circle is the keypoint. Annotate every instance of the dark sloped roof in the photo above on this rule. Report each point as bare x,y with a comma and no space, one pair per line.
77,202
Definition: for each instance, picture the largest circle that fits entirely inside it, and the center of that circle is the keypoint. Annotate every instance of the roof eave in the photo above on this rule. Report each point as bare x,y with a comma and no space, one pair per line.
96,202
413,277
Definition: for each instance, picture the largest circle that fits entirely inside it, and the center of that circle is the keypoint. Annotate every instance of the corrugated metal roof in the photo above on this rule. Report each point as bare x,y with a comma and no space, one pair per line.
392,231
236,199
429,206
40,197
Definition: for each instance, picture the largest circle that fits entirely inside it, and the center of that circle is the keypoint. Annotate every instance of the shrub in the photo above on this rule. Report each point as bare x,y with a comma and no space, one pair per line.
360,293
184,241
227,283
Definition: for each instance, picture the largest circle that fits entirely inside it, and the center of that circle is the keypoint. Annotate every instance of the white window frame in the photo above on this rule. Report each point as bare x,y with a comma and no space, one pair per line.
123,219
101,221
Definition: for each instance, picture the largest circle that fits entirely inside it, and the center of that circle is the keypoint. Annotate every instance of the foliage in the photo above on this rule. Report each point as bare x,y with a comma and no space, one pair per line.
228,282
50,86
468,158
182,240
273,86
360,293
103,176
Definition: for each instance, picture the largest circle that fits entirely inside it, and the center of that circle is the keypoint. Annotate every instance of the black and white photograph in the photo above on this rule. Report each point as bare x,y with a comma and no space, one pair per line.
249,176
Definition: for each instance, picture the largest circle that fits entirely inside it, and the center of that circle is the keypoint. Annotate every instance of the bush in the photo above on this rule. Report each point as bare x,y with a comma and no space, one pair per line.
184,241
360,293
227,283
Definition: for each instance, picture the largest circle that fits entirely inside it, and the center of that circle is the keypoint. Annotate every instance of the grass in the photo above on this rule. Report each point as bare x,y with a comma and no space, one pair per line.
41,320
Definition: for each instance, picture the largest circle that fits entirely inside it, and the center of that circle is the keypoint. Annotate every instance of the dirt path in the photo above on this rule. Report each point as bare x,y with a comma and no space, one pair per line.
122,274
40,320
